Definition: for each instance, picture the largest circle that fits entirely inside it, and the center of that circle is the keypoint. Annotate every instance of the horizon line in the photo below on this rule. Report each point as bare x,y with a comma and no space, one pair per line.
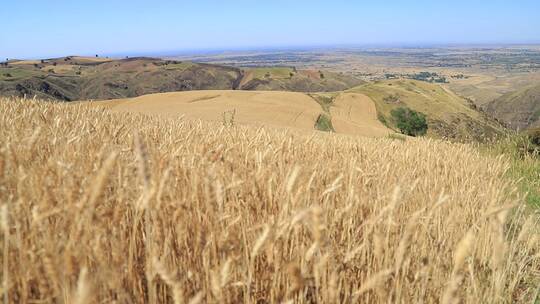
307,47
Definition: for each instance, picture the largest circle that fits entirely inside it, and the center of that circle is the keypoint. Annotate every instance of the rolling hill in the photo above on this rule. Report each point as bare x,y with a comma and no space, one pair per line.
78,78
83,78
345,104
291,79
449,116
364,110
352,113
519,109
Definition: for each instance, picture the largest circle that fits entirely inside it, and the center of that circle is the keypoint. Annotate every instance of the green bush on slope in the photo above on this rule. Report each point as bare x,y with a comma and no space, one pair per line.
410,122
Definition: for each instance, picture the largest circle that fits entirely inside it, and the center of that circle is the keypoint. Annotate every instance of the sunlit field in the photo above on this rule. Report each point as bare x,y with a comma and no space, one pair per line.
101,207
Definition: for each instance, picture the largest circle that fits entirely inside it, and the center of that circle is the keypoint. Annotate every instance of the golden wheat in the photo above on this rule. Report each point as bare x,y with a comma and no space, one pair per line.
126,208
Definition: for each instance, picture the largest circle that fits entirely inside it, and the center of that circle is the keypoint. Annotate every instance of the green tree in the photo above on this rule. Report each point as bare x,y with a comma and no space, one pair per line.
410,122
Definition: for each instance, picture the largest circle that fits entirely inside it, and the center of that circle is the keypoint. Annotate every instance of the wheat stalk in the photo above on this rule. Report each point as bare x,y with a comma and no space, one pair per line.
106,206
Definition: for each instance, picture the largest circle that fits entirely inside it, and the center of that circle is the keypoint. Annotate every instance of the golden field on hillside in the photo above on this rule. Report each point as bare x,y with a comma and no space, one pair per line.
286,109
103,207
351,113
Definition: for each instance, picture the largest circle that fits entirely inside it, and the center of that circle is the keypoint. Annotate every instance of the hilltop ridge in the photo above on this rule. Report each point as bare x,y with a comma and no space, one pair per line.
82,78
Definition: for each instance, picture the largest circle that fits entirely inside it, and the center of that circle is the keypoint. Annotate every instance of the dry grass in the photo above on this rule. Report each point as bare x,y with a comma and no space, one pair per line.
101,207
352,113
357,114
281,109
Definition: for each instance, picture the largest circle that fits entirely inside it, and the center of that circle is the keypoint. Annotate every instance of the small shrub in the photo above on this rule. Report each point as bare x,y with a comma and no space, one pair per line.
523,152
392,98
536,115
534,136
410,122
324,123
382,119
520,146
533,142
324,101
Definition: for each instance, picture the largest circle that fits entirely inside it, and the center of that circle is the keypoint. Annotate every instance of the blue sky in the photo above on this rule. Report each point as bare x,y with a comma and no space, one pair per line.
41,28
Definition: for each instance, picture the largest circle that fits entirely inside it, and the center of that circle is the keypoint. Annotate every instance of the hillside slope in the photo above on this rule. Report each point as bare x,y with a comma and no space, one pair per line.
364,110
82,78
291,79
353,113
449,116
519,110
73,78
279,109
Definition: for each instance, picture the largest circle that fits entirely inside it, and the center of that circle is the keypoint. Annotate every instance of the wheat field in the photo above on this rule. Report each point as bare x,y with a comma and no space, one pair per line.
101,207
351,113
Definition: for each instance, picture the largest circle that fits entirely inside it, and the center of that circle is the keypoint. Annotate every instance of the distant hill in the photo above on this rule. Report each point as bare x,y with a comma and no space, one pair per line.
449,116
78,78
291,79
519,110
83,78
345,104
